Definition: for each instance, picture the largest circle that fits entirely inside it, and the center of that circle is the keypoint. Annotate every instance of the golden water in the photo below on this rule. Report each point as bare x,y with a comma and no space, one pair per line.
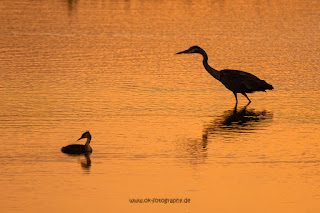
162,127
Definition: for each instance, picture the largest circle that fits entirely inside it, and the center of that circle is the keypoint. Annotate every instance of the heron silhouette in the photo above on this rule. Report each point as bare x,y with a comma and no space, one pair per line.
234,80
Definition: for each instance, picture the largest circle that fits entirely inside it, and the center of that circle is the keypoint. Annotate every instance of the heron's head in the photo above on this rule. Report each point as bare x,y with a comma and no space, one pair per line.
193,49
85,135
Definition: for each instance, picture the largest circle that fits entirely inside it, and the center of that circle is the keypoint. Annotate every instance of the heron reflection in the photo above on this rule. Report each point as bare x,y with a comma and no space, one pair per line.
235,121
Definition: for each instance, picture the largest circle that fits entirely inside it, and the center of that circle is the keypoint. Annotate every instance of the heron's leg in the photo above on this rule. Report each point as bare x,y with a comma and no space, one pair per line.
246,97
235,95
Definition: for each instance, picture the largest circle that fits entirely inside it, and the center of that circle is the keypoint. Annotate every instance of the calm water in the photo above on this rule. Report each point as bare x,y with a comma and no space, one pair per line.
162,127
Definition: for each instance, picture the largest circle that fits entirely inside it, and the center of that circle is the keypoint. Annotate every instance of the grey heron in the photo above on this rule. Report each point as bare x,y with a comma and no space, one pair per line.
234,80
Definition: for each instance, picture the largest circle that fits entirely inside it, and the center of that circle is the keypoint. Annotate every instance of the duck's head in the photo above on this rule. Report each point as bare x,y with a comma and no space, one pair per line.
86,135
193,49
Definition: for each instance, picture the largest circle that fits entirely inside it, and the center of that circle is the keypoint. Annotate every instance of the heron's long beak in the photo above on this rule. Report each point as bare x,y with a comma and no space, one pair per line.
79,139
185,51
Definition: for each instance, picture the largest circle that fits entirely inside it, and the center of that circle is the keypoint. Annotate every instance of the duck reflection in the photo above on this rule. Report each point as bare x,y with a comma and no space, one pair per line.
72,4
86,163
235,121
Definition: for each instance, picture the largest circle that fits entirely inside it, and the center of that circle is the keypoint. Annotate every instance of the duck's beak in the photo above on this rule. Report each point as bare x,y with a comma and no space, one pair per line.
185,51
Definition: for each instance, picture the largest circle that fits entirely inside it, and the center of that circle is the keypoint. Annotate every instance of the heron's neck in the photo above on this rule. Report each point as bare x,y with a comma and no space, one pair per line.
211,71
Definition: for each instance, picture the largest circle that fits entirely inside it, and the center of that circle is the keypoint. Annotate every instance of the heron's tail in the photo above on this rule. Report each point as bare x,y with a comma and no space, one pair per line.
269,86
264,86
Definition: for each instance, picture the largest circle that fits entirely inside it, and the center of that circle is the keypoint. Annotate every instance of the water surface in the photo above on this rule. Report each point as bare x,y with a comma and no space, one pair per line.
162,127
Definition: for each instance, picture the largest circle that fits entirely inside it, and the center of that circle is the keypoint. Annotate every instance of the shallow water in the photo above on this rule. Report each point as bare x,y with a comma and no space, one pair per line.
162,127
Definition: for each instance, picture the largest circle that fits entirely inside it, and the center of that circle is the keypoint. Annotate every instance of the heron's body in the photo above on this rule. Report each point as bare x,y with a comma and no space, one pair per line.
234,80
242,82
78,148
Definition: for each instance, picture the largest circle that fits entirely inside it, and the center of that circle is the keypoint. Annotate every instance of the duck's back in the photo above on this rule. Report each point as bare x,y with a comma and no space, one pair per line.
74,149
